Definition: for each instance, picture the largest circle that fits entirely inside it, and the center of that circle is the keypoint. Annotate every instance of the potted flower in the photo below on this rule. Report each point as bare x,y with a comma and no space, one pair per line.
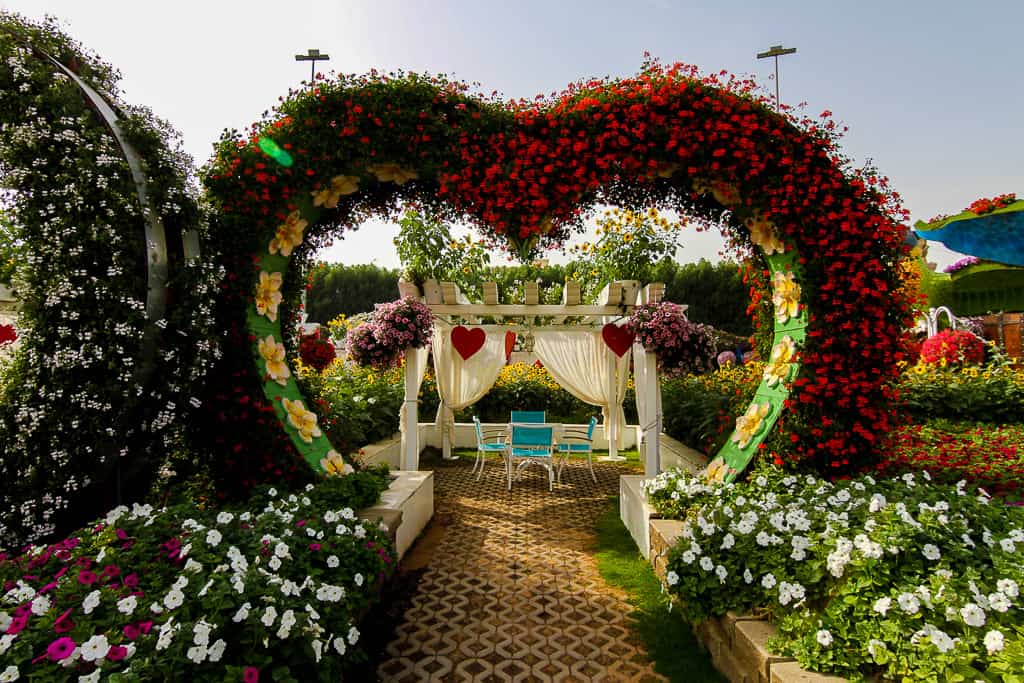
682,346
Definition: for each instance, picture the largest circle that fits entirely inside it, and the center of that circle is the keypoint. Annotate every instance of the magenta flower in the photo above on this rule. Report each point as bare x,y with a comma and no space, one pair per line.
121,534
145,626
18,624
111,571
86,577
131,580
63,623
60,649
116,653
131,631
250,674
314,546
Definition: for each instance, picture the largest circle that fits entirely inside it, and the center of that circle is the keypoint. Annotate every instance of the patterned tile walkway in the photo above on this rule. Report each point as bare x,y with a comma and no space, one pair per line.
511,591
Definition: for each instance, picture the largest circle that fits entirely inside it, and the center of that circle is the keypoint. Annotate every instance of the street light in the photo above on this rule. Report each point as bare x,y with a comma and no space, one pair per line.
775,51
312,56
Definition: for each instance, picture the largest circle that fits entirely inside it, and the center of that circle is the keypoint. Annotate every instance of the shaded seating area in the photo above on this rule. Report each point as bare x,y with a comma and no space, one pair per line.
531,444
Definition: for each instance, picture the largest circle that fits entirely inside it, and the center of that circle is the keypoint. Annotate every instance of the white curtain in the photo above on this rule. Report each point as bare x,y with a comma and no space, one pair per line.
583,365
461,383
416,363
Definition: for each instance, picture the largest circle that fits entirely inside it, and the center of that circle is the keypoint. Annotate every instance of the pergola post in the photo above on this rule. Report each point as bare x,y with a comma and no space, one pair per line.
411,427
613,425
645,365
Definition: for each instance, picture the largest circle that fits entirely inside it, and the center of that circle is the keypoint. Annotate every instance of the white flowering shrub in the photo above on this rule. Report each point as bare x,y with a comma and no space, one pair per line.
901,578
267,592
96,386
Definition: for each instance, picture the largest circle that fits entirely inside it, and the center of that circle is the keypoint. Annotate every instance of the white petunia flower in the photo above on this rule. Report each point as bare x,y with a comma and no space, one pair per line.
174,599
671,578
706,563
688,557
40,605
95,648
269,616
823,637
768,581
882,605
1009,587
213,538
9,674
999,602
353,635
332,561
994,641
91,602
973,615
339,645
216,651
909,603
1007,545
931,552
242,614
747,576
127,605
358,578
224,517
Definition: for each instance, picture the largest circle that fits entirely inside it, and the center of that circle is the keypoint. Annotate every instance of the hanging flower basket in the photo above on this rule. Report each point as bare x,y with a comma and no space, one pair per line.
316,352
393,328
682,347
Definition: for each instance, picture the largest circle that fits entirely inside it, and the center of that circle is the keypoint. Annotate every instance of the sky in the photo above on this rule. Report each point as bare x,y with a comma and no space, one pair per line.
929,90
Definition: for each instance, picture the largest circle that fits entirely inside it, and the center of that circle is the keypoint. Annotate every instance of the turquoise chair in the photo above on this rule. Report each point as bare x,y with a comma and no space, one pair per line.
531,416
577,442
487,441
531,444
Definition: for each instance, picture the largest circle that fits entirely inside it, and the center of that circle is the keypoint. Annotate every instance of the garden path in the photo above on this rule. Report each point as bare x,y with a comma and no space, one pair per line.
511,591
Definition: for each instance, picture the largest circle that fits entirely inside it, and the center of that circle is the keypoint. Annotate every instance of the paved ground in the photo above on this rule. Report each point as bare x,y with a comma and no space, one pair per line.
511,591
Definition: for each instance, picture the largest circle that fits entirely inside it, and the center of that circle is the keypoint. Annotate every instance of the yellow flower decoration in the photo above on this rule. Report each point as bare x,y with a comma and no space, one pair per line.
268,294
335,466
303,420
749,424
786,296
289,234
762,233
393,172
716,470
778,366
340,185
273,354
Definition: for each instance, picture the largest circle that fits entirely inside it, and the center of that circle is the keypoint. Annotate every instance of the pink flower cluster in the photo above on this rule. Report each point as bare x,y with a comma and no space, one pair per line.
394,327
961,264
682,346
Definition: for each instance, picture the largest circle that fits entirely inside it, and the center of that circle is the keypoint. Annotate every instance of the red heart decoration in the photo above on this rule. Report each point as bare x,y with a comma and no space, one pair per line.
510,343
468,341
618,339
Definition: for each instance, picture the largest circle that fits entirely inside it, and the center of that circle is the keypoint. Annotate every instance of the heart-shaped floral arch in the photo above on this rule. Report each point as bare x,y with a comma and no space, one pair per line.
337,152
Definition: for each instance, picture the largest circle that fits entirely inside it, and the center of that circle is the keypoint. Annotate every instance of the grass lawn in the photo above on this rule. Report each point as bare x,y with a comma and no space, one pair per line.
668,637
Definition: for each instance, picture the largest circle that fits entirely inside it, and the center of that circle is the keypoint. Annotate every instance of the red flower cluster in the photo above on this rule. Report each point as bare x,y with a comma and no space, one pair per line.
956,347
7,334
316,352
983,205
949,456
528,172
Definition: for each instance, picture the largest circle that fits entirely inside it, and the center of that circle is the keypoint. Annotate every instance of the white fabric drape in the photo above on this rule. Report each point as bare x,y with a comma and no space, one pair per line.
415,362
579,362
461,383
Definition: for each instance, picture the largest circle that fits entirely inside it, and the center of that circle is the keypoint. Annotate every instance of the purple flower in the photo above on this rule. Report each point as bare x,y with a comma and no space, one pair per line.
251,674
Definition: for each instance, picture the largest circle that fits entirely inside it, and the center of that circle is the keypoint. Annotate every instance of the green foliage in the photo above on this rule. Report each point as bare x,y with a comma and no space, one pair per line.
667,636
993,394
337,289
715,293
356,406
12,248
427,250
701,410
863,576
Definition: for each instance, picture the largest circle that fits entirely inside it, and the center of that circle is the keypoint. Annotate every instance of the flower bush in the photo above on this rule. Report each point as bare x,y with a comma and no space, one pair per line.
271,591
682,347
357,405
960,264
380,343
316,352
906,578
955,347
985,205
101,378
983,454
992,393
701,410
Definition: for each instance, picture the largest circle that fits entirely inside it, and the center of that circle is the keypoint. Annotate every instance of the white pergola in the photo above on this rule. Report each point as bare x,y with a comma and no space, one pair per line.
616,301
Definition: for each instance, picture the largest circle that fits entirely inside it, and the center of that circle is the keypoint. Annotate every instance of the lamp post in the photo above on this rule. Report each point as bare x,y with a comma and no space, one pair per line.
312,56
776,51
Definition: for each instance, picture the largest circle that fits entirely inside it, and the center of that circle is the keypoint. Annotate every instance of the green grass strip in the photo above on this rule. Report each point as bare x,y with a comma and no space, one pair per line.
668,637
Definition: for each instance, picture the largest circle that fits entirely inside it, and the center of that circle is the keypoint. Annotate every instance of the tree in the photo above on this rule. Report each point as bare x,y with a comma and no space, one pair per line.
715,293
338,289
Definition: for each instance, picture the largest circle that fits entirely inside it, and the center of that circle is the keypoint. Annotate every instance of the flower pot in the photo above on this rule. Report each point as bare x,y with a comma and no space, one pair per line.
432,291
408,289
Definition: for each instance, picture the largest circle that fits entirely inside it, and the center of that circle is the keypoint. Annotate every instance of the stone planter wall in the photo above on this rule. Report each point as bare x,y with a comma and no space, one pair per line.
737,643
